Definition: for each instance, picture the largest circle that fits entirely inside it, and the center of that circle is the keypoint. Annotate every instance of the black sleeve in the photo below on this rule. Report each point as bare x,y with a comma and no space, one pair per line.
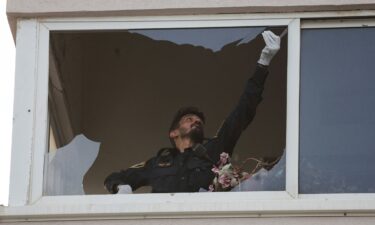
240,117
135,176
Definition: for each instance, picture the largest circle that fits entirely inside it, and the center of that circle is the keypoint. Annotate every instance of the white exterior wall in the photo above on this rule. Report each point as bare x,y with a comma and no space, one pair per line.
92,8
182,7
217,221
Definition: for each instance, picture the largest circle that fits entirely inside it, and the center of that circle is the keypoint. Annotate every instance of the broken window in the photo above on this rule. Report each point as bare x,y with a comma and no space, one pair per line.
337,120
113,94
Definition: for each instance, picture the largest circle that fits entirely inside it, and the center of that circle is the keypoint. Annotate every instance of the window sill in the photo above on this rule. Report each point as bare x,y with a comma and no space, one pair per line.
190,205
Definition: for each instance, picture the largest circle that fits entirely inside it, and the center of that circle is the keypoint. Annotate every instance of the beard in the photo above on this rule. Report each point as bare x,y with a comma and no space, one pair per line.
196,134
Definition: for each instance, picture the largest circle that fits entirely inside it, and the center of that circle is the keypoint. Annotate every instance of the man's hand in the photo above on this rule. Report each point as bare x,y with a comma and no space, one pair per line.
124,189
112,181
272,47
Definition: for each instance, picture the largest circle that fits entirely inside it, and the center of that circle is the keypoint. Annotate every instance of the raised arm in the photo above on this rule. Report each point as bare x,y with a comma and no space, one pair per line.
244,112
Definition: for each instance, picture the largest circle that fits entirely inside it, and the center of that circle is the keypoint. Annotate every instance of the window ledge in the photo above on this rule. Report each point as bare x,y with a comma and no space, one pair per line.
190,205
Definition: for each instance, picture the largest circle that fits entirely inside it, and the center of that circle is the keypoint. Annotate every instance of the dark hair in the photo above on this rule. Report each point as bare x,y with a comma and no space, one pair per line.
182,112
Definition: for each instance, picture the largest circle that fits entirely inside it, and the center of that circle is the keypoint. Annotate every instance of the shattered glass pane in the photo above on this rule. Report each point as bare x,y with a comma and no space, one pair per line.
210,38
67,166
266,180
337,119
122,88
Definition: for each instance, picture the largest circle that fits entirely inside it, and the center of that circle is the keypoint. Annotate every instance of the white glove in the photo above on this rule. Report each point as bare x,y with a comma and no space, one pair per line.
272,47
124,189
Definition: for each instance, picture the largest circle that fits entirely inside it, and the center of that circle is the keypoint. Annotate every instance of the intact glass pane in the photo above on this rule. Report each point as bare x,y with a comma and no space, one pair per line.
337,105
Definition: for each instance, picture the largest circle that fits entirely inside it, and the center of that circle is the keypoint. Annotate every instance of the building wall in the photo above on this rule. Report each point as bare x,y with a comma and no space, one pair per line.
85,7
69,8
55,8
217,221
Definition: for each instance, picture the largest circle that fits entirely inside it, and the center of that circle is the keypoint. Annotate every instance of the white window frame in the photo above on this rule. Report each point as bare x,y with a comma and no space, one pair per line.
30,135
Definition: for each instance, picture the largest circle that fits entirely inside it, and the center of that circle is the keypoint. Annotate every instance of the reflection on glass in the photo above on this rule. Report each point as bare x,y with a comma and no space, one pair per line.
337,119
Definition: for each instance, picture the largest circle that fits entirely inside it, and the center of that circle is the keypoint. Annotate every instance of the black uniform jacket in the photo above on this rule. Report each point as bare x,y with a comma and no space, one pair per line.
172,171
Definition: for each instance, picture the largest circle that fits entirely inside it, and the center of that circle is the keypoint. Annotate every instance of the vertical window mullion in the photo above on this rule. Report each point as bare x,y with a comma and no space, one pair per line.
24,112
41,119
292,125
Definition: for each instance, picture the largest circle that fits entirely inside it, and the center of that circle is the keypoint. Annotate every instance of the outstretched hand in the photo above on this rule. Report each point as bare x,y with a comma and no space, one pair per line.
112,182
272,47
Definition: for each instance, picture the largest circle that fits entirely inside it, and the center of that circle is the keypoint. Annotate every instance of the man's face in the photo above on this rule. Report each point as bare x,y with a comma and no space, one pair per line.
191,126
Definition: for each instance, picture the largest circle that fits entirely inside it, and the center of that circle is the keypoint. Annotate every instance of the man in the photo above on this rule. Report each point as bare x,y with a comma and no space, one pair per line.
186,167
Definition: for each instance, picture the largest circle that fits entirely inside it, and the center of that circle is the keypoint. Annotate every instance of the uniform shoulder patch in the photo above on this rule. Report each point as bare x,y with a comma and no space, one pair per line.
165,157
165,152
138,165
164,164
